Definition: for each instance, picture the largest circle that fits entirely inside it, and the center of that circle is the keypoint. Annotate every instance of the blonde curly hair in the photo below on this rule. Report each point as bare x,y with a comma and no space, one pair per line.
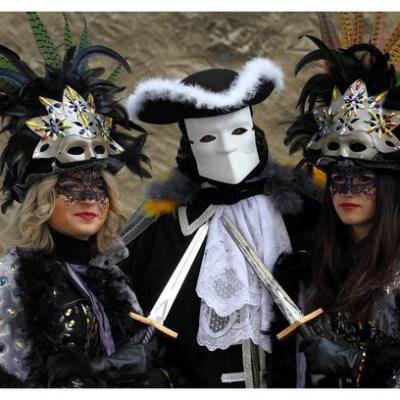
31,228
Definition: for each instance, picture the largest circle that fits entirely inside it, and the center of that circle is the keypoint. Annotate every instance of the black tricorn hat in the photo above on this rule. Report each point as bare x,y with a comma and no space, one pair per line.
204,94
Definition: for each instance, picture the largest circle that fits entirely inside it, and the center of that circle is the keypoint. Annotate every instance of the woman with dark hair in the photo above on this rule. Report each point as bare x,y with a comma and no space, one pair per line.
64,302
348,127
365,228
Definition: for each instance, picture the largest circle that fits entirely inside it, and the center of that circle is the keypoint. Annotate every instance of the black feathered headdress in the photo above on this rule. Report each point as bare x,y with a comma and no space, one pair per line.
352,109
67,119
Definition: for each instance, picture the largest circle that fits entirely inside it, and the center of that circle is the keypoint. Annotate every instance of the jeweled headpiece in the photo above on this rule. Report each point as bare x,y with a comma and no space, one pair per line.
352,109
68,119
72,130
355,125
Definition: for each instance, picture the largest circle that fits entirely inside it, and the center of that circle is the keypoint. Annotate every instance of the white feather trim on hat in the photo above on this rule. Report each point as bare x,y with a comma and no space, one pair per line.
249,78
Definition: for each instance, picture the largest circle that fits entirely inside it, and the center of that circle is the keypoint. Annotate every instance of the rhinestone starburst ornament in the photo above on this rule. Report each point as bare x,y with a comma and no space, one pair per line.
356,110
72,130
355,118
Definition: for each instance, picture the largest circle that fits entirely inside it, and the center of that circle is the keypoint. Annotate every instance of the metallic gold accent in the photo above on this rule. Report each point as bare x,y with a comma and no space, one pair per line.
72,122
355,118
45,101
380,96
70,324
335,94
90,327
68,312
90,101
19,344
11,312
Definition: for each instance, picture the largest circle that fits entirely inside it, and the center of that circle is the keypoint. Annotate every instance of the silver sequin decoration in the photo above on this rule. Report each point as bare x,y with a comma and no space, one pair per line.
19,344
11,312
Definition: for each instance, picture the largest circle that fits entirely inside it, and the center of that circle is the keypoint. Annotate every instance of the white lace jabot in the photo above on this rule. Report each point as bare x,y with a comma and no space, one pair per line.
234,304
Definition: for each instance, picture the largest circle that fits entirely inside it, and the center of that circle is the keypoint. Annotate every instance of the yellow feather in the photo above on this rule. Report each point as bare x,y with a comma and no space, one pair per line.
319,178
157,207
358,32
395,54
392,39
377,33
346,29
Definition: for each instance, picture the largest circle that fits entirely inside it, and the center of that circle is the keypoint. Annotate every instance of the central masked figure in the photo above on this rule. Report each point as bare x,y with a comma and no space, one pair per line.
224,146
221,312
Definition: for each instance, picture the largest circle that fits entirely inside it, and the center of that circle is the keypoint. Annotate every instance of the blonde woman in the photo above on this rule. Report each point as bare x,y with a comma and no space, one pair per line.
64,302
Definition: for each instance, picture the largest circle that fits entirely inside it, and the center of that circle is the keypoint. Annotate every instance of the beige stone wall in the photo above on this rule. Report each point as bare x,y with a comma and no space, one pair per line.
175,45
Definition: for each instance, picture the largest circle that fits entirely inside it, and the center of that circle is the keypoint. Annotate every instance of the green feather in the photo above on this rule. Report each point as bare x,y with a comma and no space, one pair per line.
7,64
5,86
114,74
45,44
67,35
84,40
397,79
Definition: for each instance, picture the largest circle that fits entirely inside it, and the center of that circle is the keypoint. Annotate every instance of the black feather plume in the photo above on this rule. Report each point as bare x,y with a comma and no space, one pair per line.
343,67
21,104
84,54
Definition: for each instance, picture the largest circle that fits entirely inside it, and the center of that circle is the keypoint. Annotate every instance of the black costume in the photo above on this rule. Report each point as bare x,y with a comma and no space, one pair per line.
155,253
348,127
64,309
57,329
223,169
379,337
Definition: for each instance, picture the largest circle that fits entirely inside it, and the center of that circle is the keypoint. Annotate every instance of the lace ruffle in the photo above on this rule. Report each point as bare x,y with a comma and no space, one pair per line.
235,305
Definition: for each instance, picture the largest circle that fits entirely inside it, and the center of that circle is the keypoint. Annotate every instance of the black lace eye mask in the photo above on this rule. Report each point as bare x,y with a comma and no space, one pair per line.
82,185
350,180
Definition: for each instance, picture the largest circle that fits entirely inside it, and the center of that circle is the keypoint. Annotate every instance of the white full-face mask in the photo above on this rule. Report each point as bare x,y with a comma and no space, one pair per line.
224,146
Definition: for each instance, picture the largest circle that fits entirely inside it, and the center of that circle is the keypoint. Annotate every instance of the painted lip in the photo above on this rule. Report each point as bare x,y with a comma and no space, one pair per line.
348,206
87,216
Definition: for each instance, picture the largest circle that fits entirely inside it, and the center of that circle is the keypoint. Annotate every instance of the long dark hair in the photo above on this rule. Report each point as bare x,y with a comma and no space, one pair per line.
351,276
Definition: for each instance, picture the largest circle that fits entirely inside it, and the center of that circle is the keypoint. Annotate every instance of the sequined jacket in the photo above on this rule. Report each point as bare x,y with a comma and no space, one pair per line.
46,323
379,337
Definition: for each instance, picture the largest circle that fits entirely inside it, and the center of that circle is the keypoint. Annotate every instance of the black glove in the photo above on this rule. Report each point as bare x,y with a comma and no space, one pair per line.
329,358
70,369
129,363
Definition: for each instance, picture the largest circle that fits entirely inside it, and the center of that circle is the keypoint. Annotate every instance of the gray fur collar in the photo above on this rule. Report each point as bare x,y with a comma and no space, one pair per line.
285,187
